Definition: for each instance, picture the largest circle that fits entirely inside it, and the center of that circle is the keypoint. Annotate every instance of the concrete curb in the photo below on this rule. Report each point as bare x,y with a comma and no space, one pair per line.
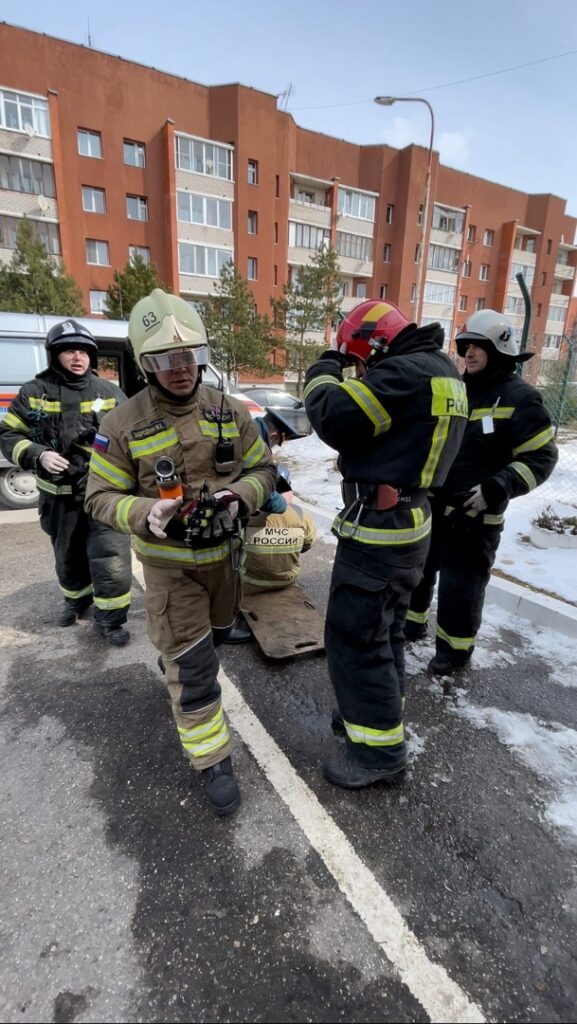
540,609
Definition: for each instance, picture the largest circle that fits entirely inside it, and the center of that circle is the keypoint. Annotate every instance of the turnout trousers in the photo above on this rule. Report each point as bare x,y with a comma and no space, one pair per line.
189,611
364,640
93,562
461,554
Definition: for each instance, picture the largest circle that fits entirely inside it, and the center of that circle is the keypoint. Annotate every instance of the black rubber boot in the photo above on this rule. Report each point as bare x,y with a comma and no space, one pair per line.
67,616
222,788
338,722
415,631
440,665
342,770
117,636
239,634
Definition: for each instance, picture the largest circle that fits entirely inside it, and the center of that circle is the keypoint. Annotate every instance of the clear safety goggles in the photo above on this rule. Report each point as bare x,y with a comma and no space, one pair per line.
160,362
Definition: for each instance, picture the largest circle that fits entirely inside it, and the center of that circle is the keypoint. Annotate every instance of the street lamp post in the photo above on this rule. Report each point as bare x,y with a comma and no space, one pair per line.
387,101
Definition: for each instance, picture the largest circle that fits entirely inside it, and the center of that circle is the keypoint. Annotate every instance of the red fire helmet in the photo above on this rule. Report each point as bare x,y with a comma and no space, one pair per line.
371,325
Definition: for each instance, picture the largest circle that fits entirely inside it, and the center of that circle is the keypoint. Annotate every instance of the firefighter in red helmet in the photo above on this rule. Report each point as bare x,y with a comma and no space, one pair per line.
397,426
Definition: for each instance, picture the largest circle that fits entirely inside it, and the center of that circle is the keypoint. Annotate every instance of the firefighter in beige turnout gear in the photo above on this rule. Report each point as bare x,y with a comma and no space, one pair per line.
192,586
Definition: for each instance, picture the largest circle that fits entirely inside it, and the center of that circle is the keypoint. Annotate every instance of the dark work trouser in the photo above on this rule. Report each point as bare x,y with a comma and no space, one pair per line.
93,562
365,651
462,554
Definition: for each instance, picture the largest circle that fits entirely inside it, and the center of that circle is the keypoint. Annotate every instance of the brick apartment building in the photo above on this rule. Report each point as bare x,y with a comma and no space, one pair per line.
108,158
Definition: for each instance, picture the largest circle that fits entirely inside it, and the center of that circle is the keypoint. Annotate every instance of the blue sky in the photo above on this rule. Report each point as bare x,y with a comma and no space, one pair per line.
517,128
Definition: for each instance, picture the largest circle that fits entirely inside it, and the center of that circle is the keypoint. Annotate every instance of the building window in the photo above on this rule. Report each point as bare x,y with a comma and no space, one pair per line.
134,153
444,294
462,303
305,197
447,325
343,289
197,209
203,157
552,341
307,236
514,305
45,230
549,246
137,207
543,279
467,268
484,272
252,172
383,291
386,253
420,217
275,275
479,304
557,314
97,301
93,199
488,237
390,210
529,245
413,293
17,174
361,290
252,226
277,186
472,233
20,112
97,252
276,232
202,260
445,219
356,204
357,247
89,143
539,308
252,268
524,269
443,258
417,252
139,250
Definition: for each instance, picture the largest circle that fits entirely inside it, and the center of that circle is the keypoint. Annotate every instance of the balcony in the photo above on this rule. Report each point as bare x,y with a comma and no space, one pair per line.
564,272
453,239
529,259
310,213
559,300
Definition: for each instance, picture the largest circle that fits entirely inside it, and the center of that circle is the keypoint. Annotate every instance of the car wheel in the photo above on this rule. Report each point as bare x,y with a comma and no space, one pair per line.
18,488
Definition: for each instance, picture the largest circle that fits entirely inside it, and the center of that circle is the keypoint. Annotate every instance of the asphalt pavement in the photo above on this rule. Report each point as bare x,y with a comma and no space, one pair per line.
450,896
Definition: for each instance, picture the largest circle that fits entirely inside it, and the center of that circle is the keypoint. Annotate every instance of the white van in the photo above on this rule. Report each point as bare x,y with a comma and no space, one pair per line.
22,356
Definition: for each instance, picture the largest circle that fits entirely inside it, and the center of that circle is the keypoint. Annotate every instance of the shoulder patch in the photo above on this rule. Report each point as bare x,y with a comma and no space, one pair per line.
213,414
149,430
100,443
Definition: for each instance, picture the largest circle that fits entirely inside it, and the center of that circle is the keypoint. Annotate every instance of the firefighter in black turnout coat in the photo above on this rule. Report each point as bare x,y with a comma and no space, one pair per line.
507,451
50,428
397,427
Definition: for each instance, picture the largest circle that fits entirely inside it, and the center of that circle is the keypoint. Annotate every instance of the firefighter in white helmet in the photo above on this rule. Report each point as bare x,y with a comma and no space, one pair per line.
507,451
201,446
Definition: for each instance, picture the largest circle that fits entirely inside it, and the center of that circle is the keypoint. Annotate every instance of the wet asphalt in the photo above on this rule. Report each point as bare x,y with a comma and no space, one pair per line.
124,899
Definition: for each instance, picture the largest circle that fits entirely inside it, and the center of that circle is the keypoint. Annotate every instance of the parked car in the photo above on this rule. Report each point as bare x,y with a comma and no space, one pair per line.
253,407
282,402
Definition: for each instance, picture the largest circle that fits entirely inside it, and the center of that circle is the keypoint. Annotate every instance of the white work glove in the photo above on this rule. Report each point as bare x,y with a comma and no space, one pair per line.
476,501
233,507
161,512
52,462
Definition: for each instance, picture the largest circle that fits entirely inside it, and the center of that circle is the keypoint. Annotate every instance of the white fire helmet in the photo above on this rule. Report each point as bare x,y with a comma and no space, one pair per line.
488,325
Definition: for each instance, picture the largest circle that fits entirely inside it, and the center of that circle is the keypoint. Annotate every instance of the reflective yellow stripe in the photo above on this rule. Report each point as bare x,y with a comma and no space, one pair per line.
274,548
536,442
257,487
458,643
439,439
186,556
525,473
420,617
44,404
254,454
205,738
375,737
493,520
111,473
502,412
17,450
122,513
75,594
209,429
263,584
449,397
418,516
103,404
319,382
12,420
373,535
156,443
109,603
370,405
50,488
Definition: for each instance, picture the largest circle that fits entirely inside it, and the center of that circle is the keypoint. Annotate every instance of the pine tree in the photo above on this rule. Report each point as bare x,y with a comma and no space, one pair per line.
34,282
130,285
307,305
239,337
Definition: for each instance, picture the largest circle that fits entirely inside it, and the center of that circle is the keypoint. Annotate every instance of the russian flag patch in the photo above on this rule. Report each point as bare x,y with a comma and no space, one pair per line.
100,443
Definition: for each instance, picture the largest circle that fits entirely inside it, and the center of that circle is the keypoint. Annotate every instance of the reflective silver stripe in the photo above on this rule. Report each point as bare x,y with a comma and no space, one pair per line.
375,737
75,594
111,473
369,404
536,442
209,429
186,556
324,381
156,443
525,473
458,643
50,488
109,603
365,535
205,738
123,512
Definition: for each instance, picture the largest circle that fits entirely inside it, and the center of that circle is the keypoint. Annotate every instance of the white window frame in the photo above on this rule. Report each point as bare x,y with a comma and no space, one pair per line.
355,247
89,192
139,250
448,256
139,150
307,236
98,242
252,268
201,156
142,206
31,110
97,305
90,136
252,172
46,230
359,205
484,272
462,303
192,198
442,294
479,304
386,253
488,237
20,169
390,213
252,218
222,256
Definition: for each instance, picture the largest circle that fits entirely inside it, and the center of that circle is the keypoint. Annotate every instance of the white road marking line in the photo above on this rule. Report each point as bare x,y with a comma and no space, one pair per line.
441,998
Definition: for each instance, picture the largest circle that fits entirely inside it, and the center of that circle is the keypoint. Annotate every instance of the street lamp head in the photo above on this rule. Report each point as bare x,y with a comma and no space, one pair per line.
385,101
